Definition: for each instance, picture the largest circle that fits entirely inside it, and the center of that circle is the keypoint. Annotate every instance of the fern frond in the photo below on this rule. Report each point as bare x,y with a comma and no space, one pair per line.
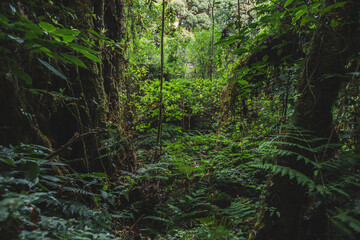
352,222
283,152
292,173
338,190
240,210
290,144
68,207
159,219
77,191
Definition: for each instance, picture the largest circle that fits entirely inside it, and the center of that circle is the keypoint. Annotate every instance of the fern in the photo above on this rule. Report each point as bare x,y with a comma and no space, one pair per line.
70,207
112,145
284,153
337,175
345,218
292,173
77,191
27,186
240,210
301,178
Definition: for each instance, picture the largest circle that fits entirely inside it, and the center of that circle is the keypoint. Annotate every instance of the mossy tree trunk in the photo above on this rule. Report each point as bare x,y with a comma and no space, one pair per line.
101,84
324,70
46,119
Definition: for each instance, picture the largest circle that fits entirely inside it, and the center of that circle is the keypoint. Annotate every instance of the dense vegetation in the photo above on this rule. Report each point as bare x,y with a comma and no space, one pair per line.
176,119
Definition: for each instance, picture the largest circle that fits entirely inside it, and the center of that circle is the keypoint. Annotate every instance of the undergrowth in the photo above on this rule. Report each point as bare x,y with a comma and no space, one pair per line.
206,186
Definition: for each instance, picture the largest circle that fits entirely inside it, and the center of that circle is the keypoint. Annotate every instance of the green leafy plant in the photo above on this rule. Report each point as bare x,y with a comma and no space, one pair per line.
46,206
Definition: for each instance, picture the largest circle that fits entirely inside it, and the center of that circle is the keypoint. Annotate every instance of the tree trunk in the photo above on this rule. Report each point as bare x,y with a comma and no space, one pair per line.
330,51
97,90
212,41
161,107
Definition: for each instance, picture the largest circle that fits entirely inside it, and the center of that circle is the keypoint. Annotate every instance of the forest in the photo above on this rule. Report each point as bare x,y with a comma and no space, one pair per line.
180,119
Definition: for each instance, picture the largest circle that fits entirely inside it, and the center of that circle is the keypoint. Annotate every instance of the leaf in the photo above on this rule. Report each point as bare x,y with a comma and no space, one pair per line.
4,20
288,2
340,191
21,74
334,23
299,14
100,174
306,20
104,194
74,60
13,9
95,33
243,82
32,170
81,48
354,73
17,39
265,58
30,35
47,27
333,6
31,25
91,56
53,55
231,39
353,223
3,212
8,161
125,194
51,178
66,32
89,53
158,219
68,35
292,175
68,38
240,51
51,68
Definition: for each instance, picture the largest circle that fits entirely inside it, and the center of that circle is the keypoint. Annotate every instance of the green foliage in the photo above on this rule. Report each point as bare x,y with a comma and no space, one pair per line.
183,99
206,174
35,204
344,183
193,217
332,182
197,13
44,39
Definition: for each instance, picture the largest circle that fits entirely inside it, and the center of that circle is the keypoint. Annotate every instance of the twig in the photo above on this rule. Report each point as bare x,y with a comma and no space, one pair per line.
77,136
136,222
